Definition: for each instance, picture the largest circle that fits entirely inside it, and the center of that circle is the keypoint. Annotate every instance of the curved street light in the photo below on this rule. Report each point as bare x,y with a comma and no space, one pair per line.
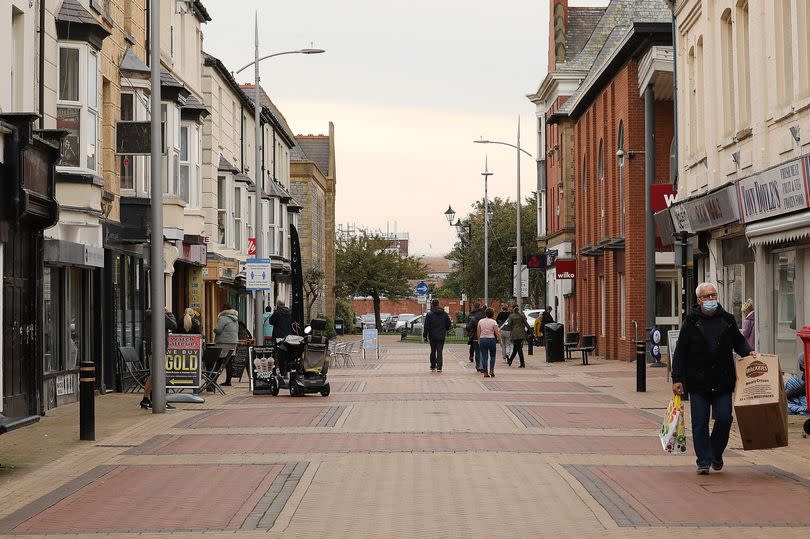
258,299
519,254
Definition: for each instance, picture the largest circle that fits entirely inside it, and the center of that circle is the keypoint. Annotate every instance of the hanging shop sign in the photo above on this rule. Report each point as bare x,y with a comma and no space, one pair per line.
183,360
566,268
776,191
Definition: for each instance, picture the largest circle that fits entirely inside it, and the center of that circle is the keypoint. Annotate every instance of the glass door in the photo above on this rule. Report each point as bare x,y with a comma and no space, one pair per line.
784,308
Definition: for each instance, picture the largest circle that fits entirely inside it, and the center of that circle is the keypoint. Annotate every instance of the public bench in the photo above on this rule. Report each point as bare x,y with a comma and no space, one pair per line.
588,346
571,341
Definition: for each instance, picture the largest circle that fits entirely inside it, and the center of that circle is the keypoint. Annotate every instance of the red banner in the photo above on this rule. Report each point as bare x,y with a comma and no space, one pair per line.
251,246
566,268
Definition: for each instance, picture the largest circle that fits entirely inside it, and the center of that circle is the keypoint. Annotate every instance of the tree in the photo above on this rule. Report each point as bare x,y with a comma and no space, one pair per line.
313,282
367,265
469,252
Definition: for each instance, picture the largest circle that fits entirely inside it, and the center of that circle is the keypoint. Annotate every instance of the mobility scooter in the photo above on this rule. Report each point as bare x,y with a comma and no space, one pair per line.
302,362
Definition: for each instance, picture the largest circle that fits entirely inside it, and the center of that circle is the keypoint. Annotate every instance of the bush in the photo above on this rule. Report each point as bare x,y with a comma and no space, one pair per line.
343,309
330,328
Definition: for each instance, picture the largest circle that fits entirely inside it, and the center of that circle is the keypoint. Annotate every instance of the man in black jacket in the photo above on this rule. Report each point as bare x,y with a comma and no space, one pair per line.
437,324
472,333
703,364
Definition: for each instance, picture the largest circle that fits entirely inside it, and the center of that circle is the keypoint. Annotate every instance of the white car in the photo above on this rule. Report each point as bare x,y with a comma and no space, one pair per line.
403,320
532,315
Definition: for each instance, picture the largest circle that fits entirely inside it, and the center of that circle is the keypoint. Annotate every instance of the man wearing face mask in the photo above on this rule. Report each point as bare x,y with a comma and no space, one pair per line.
703,365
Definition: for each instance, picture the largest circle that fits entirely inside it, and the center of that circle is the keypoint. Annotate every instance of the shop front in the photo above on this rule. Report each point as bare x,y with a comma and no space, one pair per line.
220,287
187,288
775,208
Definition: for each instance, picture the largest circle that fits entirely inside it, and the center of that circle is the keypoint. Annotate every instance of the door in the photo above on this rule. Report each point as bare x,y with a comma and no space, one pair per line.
19,323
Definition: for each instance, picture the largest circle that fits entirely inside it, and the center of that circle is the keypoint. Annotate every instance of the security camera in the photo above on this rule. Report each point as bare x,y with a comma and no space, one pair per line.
620,153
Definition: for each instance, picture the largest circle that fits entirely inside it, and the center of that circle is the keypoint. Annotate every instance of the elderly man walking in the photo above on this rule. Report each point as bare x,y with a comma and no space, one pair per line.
703,365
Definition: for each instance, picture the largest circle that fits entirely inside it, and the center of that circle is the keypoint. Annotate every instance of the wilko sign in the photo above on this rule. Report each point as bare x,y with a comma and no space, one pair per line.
778,190
251,246
566,268
662,196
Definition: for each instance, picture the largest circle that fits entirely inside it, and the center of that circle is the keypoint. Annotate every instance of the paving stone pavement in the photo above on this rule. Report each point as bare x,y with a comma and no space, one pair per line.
554,450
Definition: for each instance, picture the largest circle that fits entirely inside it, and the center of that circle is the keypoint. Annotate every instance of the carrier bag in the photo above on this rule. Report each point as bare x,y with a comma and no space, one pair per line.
673,435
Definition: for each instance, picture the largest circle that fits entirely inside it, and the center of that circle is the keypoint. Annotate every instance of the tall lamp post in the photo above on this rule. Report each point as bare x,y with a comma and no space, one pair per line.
258,307
460,227
519,254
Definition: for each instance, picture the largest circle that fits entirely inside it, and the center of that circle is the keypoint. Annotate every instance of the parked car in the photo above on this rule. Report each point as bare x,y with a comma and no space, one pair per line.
416,325
391,323
403,319
532,315
368,321
358,323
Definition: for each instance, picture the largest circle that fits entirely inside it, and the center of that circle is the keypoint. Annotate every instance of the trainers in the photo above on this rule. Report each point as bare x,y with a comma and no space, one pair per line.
146,404
717,464
438,370
433,369
486,374
703,470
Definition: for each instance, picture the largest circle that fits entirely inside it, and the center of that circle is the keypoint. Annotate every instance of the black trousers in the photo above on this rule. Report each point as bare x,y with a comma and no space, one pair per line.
436,348
517,349
473,350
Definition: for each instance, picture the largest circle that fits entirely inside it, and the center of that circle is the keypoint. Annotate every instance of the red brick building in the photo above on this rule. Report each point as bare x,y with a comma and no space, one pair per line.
607,117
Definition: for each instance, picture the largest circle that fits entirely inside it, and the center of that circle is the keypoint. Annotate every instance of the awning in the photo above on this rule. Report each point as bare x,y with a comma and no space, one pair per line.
782,229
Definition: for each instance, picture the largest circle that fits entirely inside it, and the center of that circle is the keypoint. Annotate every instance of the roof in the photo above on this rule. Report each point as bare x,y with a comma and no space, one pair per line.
226,165
437,264
622,23
192,103
131,62
200,11
73,11
267,103
166,79
581,23
316,149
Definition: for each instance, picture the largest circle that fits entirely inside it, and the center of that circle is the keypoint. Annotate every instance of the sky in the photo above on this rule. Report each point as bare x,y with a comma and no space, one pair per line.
409,86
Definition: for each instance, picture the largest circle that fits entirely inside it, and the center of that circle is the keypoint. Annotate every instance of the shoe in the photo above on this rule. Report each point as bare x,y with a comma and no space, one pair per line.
486,374
523,366
703,470
509,362
438,370
471,360
169,406
433,369
225,384
146,404
492,374
717,464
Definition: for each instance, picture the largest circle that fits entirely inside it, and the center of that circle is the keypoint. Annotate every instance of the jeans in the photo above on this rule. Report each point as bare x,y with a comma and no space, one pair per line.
488,347
506,343
718,406
517,349
436,348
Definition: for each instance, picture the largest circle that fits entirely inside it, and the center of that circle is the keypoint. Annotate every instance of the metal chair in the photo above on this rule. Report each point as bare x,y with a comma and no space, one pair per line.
133,372
214,365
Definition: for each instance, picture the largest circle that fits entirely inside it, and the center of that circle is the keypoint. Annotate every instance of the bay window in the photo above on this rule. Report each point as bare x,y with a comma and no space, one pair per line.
170,116
77,106
133,168
237,218
190,158
222,210
271,234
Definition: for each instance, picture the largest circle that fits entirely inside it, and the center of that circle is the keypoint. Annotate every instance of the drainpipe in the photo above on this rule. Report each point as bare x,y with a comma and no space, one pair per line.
649,177
42,64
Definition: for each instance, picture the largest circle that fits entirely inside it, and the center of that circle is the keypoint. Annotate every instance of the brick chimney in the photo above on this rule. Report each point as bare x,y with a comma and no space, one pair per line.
558,28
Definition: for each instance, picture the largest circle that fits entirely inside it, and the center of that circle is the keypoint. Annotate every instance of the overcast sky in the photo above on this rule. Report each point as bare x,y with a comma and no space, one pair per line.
408,86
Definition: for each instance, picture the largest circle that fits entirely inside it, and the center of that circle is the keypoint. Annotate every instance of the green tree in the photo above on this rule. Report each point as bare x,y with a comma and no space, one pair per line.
469,252
367,265
313,281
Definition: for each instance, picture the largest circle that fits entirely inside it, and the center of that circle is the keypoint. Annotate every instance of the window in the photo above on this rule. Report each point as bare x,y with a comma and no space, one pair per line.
171,160
271,245
250,217
132,168
665,299
620,147
184,164
700,118
727,73
803,49
785,313
692,99
783,32
601,169
237,218
222,209
17,55
77,106
623,305
743,65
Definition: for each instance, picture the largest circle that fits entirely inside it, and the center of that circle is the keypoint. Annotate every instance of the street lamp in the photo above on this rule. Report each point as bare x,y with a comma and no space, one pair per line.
258,307
450,215
519,295
460,228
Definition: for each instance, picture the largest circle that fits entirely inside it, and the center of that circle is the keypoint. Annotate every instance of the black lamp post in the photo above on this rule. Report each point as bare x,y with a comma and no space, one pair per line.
460,227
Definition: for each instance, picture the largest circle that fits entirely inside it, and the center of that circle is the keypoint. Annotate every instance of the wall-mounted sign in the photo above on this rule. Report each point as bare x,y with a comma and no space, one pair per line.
776,191
566,268
662,195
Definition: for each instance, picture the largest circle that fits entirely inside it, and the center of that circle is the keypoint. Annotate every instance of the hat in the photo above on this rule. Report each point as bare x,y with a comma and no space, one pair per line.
748,305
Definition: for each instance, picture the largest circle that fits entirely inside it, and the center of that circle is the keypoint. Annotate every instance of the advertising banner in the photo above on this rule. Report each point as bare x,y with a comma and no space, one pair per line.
261,369
183,361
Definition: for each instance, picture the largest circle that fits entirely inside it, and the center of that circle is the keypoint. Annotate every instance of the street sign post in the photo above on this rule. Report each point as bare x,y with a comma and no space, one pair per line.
257,274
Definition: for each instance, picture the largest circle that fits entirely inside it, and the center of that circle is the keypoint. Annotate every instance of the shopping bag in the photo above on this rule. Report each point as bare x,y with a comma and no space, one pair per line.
673,435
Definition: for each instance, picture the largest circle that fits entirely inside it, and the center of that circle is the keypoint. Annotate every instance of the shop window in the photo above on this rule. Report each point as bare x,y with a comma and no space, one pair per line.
784,308
77,106
52,302
67,308
665,299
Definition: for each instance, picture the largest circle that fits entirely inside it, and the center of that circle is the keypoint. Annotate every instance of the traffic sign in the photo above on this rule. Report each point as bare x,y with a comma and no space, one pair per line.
257,274
421,299
421,289
252,246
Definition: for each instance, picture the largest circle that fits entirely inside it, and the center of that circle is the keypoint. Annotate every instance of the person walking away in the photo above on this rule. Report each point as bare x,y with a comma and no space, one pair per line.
488,337
191,322
703,365
170,327
545,318
520,329
267,327
506,340
472,333
437,324
226,337
281,320
749,323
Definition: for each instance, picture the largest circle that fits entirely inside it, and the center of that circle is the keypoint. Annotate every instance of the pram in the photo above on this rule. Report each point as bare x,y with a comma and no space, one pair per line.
306,362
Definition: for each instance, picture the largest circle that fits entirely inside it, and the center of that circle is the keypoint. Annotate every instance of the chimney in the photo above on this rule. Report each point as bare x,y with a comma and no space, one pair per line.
558,22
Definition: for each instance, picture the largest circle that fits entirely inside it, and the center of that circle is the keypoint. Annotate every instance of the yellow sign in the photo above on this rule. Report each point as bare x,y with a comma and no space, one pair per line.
196,290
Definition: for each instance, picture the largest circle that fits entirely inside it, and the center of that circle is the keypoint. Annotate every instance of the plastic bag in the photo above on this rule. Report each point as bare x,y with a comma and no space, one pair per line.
673,435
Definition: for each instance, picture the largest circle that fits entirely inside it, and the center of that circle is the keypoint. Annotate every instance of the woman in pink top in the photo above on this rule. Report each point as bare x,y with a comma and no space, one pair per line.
488,337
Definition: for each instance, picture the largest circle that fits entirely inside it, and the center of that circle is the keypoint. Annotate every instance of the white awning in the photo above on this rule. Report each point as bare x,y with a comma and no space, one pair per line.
782,229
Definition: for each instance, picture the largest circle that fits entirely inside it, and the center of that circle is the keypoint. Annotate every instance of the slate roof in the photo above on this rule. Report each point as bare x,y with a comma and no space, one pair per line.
268,104
166,79
581,23
298,154
131,62
73,11
226,165
194,104
316,149
607,38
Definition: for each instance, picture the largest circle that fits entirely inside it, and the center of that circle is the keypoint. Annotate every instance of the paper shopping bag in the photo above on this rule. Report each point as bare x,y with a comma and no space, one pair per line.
673,435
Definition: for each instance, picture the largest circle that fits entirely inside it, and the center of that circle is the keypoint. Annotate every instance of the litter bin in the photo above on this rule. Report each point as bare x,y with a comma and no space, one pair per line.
339,328
554,333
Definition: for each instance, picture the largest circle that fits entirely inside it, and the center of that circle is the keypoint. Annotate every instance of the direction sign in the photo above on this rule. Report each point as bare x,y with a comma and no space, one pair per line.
257,274
252,246
421,289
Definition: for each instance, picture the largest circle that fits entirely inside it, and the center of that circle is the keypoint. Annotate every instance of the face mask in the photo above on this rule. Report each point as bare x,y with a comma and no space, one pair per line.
710,305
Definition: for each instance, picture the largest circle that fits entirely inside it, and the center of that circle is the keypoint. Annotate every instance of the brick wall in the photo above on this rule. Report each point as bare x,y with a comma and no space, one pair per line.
618,104
363,306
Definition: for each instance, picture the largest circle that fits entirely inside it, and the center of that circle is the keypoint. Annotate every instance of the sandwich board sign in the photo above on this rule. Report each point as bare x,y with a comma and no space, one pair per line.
183,361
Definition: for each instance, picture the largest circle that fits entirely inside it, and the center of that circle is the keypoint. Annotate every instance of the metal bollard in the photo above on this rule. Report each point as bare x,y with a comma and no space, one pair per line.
641,367
87,410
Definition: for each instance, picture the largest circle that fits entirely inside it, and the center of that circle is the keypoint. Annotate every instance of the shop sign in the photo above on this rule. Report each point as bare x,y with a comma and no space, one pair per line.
196,254
196,290
776,191
551,257
680,219
713,210
662,195
183,360
93,256
566,268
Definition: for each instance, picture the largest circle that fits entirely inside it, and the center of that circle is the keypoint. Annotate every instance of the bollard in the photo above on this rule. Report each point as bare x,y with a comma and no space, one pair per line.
87,410
641,367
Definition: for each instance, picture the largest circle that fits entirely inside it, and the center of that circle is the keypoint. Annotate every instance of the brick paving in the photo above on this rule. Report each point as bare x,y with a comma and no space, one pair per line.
560,450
